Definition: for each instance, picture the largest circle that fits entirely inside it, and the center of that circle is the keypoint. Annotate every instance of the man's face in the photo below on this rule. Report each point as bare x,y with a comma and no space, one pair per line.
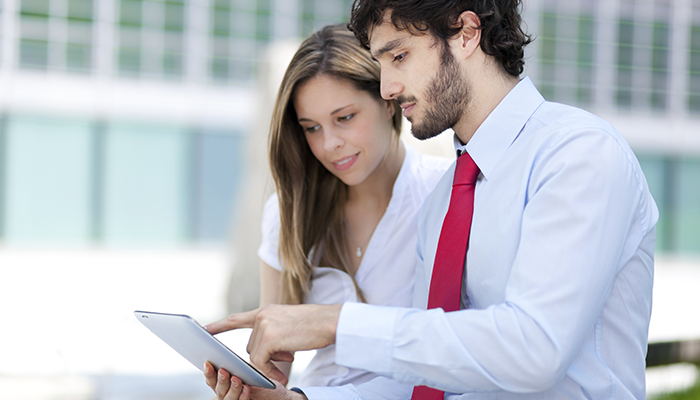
422,74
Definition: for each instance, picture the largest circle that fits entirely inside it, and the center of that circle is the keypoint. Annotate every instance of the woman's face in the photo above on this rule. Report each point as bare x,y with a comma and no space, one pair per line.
347,129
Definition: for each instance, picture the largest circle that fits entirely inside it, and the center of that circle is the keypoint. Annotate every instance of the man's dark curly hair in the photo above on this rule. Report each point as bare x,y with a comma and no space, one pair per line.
502,36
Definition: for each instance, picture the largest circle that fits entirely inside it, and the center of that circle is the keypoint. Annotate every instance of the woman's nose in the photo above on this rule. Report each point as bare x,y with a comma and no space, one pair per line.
332,139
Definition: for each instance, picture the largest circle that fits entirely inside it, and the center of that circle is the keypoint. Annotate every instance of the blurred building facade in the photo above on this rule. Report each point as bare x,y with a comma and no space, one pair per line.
637,64
125,121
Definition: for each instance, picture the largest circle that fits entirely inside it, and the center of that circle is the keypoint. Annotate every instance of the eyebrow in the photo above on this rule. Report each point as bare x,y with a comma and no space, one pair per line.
387,47
341,109
332,113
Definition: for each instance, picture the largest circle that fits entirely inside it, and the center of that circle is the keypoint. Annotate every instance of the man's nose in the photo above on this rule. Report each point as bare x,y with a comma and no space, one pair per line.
390,86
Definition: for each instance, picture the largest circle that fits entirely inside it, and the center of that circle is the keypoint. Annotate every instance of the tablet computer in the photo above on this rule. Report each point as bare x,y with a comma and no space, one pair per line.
197,345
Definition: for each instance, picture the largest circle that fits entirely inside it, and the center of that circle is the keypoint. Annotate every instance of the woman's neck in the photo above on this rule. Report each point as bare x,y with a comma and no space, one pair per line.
368,201
377,189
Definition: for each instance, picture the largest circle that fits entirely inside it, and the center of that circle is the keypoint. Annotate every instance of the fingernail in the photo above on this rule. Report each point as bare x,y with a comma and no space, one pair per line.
234,383
206,368
221,375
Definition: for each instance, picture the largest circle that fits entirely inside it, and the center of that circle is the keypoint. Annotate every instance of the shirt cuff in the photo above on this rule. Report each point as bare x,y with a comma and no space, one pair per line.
330,392
364,337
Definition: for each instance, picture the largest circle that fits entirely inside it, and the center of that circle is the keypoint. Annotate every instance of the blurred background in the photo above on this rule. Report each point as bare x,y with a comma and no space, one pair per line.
133,169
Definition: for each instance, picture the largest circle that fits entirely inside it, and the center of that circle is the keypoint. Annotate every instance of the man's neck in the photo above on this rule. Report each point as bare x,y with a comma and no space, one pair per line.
486,93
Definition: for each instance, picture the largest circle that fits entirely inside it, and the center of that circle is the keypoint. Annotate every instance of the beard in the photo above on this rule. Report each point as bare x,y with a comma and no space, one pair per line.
447,98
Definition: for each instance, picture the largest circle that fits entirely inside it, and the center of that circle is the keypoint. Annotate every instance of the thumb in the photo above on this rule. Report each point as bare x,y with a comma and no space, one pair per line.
282,356
233,321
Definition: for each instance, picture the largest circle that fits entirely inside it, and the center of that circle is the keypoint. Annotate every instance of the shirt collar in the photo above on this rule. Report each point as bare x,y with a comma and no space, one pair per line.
459,147
502,127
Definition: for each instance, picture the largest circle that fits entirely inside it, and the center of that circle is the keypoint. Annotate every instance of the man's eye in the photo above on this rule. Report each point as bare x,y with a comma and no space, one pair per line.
346,118
400,57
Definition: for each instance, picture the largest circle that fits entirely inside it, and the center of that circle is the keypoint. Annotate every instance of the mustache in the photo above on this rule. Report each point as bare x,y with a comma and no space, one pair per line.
402,99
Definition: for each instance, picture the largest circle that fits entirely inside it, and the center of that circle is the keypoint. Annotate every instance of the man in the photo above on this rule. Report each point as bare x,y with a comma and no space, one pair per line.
555,297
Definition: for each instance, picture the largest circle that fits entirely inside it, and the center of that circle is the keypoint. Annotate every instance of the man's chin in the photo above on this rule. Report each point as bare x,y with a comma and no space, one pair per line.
424,134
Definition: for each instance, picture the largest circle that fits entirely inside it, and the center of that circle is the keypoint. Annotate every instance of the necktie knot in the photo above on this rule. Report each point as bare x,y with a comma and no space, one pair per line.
466,171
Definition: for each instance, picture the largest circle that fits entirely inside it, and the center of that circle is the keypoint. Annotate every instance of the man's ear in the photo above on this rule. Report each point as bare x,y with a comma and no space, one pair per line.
469,36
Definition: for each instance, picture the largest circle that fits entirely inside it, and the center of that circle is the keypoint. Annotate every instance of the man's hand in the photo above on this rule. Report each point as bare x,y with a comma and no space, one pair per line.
229,387
279,330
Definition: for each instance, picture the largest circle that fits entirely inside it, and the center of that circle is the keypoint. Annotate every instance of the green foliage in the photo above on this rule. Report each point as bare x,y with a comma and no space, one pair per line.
692,393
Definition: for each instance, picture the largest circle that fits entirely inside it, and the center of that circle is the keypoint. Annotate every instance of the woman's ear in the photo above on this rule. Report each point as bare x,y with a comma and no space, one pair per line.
390,108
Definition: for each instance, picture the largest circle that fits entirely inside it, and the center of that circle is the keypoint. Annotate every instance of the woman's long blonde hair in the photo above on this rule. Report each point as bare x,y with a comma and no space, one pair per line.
311,199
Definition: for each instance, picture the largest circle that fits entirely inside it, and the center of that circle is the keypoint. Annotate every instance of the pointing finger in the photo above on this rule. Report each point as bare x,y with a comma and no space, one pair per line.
233,321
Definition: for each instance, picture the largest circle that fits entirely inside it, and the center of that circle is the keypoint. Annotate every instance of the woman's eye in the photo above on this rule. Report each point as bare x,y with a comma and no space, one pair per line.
312,129
400,57
346,118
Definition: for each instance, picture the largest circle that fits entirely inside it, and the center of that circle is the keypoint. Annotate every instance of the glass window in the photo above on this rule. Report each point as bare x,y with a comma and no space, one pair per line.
173,54
129,56
673,181
656,170
34,7
174,17
262,20
34,54
3,171
548,54
584,59
625,62
79,46
237,29
659,65
694,70
566,56
146,187
80,10
48,182
34,43
221,21
689,206
40,30
1,32
219,167
130,12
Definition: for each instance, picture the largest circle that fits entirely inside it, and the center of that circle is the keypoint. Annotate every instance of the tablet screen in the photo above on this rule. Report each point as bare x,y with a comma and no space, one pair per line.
197,345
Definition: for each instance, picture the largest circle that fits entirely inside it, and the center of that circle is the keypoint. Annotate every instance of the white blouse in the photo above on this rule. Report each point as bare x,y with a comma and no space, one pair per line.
386,273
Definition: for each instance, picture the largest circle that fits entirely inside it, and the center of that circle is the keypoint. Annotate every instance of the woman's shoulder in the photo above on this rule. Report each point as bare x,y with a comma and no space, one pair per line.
271,212
425,168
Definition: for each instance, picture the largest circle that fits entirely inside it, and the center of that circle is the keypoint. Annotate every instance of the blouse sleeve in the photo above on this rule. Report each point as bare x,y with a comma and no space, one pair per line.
269,247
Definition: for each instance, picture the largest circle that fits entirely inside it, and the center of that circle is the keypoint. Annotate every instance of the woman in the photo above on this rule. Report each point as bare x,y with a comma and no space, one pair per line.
342,226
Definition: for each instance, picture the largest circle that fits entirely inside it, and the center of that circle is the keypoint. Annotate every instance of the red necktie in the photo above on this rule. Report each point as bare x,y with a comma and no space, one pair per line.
448,268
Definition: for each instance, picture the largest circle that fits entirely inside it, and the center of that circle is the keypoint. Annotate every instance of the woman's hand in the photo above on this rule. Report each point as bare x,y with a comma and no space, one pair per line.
230,387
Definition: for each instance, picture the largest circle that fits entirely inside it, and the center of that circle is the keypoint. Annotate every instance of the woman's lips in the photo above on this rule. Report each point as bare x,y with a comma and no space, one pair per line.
345,163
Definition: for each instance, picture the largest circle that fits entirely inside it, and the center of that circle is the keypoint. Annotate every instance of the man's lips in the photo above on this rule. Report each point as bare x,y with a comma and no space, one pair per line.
407,108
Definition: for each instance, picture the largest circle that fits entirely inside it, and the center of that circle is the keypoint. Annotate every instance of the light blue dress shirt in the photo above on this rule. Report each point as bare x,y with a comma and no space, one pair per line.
559,270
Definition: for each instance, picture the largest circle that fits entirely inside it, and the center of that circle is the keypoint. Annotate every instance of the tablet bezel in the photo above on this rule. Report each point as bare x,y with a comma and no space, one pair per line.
186,336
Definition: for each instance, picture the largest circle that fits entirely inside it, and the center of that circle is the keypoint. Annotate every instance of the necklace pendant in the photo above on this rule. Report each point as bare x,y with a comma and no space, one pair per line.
358,252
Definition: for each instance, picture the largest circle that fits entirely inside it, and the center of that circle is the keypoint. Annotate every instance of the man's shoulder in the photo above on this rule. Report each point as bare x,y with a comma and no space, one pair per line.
565,117
555,124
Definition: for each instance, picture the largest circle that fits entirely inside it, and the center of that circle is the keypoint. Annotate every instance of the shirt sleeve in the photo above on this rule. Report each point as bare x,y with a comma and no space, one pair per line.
379,388
269,247
581,211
